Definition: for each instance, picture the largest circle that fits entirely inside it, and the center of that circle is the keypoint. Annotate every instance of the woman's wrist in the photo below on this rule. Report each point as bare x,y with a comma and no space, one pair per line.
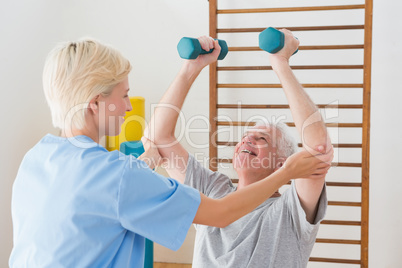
284,174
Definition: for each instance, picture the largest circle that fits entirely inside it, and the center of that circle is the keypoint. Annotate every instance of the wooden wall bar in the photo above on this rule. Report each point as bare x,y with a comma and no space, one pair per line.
293,29
213,91
325,47
289,9
366,131
218,143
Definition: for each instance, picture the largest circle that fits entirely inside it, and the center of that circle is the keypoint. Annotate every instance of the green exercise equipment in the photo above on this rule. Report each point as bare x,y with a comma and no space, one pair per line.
272,40
190,48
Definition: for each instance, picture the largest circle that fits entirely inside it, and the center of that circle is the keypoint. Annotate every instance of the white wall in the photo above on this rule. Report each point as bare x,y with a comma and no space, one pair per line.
147,33
386,138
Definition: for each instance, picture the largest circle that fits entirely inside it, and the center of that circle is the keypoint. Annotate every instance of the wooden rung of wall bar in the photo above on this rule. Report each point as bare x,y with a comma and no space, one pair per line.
344,164
320,47
336,222
335,145
344,204
328,183
284,106
290,124
288,9
338,241
338,184
324,47
334,164
346,261
342,145
293,29
280,86
294,67
343,184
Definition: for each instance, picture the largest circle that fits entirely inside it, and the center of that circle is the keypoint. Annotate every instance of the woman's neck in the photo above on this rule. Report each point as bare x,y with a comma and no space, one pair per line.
73,132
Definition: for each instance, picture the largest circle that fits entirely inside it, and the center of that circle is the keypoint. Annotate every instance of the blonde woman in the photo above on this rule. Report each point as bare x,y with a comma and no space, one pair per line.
77,205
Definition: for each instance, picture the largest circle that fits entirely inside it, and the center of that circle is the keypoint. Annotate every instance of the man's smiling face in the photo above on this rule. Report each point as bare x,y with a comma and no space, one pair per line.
257,151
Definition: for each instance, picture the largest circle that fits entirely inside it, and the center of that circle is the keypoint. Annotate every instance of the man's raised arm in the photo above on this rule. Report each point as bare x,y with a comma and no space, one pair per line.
161,129
308,121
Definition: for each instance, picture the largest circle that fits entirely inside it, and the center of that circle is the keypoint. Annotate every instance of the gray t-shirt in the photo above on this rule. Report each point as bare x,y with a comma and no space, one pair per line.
276,234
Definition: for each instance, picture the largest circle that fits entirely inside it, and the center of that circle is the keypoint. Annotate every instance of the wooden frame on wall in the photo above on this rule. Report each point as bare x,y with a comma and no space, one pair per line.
364,106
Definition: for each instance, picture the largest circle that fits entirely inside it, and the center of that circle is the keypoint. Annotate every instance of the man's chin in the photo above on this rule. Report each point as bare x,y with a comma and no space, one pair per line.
244,162
242,166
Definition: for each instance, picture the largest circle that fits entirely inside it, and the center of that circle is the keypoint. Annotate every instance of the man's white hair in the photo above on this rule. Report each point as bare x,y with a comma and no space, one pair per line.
281,138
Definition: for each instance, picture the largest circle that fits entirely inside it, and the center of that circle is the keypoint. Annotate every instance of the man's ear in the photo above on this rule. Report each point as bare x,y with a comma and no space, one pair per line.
94,105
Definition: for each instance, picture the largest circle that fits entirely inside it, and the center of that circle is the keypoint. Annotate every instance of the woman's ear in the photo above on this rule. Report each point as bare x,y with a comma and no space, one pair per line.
94,105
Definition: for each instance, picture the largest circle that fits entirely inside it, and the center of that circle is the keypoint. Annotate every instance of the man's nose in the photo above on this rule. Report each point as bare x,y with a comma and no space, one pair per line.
248,139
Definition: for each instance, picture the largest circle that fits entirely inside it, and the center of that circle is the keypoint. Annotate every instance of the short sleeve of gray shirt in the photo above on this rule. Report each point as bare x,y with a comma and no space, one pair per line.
275,234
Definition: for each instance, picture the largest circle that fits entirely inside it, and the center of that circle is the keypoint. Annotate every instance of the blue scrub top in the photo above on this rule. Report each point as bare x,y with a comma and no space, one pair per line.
75,204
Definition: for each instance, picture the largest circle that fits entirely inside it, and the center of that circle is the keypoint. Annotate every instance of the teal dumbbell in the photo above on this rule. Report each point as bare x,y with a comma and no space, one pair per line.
136,148
272,40
190,48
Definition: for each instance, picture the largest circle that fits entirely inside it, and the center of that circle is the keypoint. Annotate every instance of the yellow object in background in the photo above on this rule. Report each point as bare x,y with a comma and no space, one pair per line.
133,126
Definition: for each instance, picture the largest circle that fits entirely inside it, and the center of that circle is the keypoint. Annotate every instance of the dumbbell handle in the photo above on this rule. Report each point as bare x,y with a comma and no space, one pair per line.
190,48
272,40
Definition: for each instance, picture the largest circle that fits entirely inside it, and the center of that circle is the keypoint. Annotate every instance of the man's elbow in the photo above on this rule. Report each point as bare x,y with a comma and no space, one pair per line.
159,137
318,146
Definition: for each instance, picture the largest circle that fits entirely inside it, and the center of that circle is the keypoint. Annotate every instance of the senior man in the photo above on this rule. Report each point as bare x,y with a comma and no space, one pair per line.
281,232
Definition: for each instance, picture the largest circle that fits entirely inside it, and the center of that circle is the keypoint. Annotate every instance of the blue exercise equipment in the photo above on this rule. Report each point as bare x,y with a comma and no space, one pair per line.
190,48
136,149
272,40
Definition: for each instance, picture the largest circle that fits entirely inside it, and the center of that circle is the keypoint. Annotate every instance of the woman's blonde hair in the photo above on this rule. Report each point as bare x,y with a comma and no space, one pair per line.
76,72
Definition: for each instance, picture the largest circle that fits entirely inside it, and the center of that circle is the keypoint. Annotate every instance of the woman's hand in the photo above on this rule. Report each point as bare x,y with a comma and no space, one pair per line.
305,165
151,155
